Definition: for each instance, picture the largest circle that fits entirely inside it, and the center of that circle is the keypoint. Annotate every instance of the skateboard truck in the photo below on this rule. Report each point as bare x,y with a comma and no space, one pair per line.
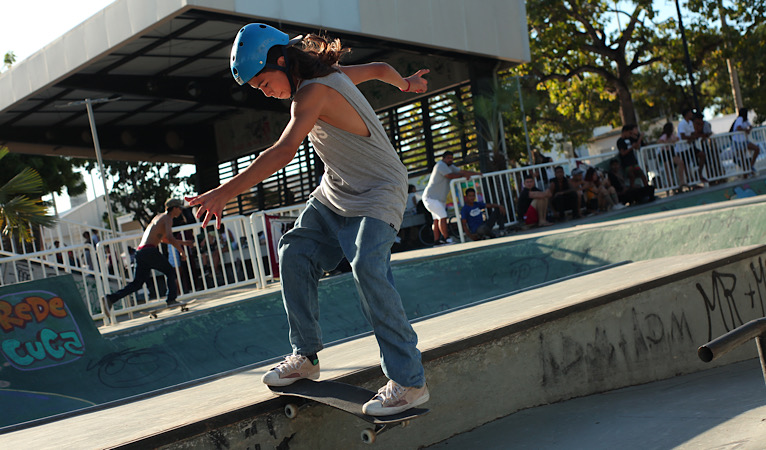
347,398
368,435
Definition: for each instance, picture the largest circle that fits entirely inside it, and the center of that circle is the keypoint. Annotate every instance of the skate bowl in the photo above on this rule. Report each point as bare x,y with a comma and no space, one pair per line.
586,321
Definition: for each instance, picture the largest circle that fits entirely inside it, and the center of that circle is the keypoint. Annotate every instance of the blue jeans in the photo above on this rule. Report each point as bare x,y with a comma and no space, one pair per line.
317,244
147,259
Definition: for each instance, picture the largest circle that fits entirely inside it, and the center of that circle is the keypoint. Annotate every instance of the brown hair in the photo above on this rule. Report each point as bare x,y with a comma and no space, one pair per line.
315,56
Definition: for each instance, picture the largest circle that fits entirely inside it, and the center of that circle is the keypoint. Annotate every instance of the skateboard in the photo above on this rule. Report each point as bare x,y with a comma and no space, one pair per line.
153,313
348,398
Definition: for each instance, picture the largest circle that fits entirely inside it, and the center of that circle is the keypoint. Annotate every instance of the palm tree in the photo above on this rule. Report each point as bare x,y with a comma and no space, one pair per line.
18,212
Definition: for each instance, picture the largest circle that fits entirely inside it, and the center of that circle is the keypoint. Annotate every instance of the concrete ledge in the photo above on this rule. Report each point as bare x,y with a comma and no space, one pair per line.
630,325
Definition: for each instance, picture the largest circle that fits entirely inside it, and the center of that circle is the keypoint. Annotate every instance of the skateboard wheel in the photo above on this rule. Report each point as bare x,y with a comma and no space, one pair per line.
291,411
368,436
405,423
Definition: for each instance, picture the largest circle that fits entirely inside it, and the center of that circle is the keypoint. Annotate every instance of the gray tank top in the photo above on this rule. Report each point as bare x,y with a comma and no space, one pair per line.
363,176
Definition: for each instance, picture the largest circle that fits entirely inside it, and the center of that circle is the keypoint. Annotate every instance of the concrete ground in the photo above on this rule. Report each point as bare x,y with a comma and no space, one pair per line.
722,408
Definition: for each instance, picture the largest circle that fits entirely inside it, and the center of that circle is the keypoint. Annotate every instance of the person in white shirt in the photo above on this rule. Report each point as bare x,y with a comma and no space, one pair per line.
742,141
686,133
436,194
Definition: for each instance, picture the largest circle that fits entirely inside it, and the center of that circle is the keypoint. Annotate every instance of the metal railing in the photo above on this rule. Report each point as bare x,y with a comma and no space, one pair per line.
55,262
753,330
268,226
726,156
504,187
243,253
65,232
670,167
219,260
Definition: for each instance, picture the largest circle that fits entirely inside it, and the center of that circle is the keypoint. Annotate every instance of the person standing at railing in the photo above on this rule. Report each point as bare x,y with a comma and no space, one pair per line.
703,130
355,211
148,256
629,142
742,142
437,191
688,134
670,139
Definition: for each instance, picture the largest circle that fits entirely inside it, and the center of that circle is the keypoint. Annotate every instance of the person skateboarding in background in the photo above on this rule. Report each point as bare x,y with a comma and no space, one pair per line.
148,256
354,212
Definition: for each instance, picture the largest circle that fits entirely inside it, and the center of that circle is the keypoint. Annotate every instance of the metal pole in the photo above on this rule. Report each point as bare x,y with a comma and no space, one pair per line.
524,121
688,58
733,75
97,145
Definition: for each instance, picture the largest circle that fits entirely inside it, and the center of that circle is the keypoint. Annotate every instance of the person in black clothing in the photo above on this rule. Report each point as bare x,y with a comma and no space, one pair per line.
631,140
533,203
624,193
564,195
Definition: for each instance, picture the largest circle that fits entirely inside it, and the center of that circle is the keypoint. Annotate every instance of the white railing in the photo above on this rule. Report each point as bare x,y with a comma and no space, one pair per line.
65,231
243,253
52,263
724,157
504,187
219,260
268,226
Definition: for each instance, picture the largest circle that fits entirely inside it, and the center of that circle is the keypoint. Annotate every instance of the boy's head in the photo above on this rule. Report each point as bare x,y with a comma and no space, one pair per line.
529,182
628,129
250,50
172,203
470,195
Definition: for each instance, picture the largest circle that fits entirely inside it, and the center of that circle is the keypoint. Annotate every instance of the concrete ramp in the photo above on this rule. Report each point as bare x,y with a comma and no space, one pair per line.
625,326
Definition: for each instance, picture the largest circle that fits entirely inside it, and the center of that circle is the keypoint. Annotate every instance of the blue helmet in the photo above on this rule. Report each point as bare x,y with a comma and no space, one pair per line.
252,44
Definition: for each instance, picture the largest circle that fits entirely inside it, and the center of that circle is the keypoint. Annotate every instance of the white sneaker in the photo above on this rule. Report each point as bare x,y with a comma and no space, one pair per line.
618,206
394,398
449,241
292,369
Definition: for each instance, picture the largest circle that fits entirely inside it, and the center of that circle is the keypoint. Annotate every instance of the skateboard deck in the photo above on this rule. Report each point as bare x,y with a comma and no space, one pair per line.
153,313
348,398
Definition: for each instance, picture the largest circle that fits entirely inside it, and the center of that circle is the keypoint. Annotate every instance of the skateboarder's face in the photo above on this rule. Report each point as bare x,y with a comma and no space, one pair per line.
273,83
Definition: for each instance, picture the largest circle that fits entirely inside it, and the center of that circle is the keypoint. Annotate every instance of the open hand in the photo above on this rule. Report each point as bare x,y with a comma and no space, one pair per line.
418,84
211,204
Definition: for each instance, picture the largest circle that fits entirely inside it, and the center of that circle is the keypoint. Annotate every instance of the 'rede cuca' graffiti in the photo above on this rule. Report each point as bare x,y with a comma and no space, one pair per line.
38,331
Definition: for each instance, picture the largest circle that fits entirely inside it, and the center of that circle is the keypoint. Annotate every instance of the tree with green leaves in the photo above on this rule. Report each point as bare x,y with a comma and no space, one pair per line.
20,205
738,45
595,49
141,188
59,174
8,60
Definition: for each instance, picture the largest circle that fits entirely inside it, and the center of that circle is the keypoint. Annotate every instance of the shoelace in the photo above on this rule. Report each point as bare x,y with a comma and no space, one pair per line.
390,392
291,362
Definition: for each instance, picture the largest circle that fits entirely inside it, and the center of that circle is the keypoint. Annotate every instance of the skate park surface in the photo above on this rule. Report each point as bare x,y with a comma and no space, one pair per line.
577,312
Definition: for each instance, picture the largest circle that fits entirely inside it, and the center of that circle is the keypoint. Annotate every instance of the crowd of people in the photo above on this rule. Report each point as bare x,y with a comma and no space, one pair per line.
546,197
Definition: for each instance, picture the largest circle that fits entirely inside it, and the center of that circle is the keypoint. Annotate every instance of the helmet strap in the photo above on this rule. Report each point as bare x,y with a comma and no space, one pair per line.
285,69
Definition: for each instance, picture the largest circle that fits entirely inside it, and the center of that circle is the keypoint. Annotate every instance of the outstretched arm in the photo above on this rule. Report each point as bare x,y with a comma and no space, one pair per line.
384,72
305,111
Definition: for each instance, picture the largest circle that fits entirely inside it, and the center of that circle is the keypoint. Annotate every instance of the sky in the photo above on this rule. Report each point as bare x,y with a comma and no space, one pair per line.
29,25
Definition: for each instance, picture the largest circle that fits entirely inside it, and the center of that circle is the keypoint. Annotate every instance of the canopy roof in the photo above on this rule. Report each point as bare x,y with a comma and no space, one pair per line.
167,62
